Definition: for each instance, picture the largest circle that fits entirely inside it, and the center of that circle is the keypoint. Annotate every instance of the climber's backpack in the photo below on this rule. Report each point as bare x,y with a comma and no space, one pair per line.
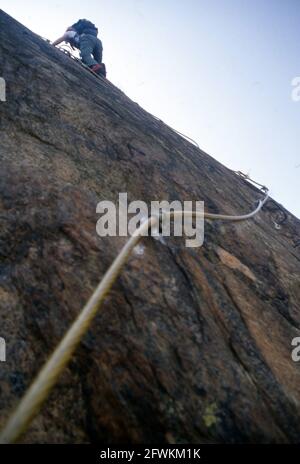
83,26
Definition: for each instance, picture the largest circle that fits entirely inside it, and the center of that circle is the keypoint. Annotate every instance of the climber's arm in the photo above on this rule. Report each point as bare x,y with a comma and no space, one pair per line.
61,39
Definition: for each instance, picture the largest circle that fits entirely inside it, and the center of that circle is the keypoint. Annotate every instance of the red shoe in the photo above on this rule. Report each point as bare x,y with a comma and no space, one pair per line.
99,69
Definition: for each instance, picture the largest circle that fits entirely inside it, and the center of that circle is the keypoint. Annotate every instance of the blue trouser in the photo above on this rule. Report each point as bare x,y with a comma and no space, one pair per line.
90,49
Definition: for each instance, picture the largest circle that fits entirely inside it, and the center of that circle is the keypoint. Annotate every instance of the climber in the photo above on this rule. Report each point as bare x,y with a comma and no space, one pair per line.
83,35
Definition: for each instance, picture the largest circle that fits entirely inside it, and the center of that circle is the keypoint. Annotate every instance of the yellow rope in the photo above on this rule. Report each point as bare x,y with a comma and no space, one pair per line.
46,379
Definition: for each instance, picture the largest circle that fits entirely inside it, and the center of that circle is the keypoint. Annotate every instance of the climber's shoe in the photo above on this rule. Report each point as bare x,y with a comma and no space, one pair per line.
99,68
102,70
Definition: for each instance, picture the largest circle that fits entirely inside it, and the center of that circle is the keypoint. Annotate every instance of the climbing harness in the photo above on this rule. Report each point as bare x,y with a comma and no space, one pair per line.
48,376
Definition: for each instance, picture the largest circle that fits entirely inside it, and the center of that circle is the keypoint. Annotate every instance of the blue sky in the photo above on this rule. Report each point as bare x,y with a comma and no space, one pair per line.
218,70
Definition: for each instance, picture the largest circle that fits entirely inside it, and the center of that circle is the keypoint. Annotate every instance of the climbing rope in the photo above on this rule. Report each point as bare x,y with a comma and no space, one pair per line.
246,177
39,390
186,137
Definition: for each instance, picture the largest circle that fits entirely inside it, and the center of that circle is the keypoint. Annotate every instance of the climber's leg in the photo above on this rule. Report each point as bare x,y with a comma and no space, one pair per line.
87,45
98,51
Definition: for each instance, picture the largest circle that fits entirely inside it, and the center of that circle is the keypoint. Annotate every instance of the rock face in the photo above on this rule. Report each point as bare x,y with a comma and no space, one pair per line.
192,345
